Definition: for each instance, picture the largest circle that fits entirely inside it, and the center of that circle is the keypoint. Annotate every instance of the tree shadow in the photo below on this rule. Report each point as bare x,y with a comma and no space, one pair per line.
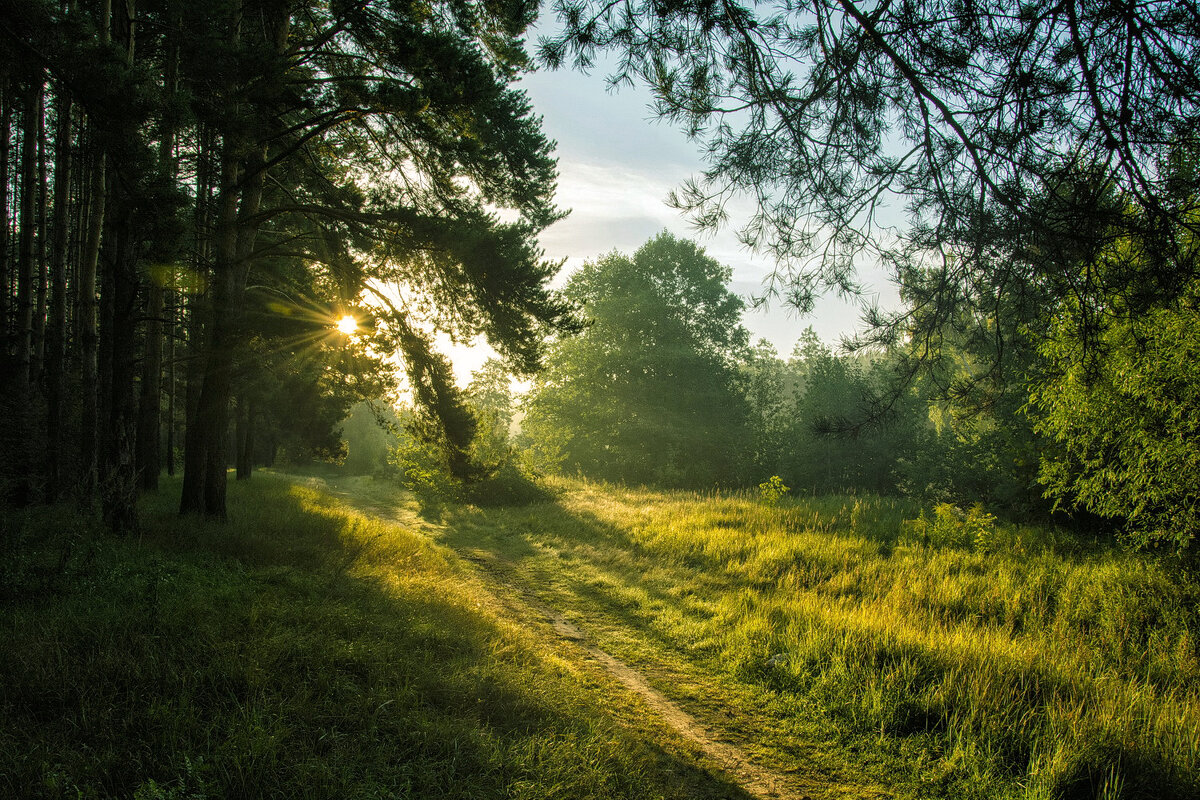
262,659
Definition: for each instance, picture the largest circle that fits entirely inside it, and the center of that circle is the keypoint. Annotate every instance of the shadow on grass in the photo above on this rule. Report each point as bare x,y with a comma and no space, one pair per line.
296,652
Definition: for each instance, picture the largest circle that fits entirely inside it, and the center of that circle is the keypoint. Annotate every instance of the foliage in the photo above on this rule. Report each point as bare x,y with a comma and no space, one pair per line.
369,431
421,468
842,436
259,180
1124,421
491,402
649,392
772,490
953,527
496,475
769,385
1005,130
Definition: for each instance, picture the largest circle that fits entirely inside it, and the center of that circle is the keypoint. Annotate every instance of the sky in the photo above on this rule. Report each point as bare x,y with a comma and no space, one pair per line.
617,165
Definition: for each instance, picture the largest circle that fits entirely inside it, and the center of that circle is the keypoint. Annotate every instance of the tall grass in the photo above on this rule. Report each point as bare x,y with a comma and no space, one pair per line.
300,651
974,658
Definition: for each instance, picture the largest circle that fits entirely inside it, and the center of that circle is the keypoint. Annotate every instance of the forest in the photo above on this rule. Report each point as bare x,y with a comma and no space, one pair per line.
259,539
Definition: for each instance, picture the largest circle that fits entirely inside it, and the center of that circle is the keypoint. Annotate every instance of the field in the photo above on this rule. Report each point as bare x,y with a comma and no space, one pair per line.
338,640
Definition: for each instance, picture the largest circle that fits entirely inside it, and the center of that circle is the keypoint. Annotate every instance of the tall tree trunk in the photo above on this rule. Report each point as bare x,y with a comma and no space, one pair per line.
237,230
171,378
25,251
89,342
39,315
18,398
6,332
204,437
245,438
118,333
89,261
149,436
118,483
197,311
56,332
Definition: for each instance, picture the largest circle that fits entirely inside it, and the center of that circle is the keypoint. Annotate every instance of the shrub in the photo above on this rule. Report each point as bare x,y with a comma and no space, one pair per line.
953,527
770,491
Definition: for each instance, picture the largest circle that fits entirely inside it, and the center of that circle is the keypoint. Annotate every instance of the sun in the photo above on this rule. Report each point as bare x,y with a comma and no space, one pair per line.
347,325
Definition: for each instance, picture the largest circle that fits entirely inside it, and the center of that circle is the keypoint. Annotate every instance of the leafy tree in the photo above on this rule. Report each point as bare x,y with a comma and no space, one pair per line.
769,387
370,432
649,392
391,133
829,448
491,401
1124,419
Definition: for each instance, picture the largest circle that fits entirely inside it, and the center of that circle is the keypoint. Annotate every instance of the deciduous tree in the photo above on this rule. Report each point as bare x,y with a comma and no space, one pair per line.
649,391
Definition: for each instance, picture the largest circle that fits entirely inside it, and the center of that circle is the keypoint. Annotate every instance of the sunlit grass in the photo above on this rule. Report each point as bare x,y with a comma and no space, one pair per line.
1019,662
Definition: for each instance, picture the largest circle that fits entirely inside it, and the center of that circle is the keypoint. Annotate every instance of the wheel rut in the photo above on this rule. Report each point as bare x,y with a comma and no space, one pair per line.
755,780
739,766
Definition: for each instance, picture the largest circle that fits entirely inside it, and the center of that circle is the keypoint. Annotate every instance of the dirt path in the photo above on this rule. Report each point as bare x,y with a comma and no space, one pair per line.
755,780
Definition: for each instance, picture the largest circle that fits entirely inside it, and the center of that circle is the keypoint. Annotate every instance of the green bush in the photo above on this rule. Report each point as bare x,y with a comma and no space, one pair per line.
953,527
771,491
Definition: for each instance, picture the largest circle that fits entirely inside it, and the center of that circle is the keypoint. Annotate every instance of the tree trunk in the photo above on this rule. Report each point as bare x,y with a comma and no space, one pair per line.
171,384
197,312
88,338
204,438
118,331
118,335
39,316
6,332
25,251
89,342
206,447
56,332
149,437
245,438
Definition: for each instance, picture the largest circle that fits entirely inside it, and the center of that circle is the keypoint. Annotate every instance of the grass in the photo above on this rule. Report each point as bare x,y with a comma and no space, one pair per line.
853,634
308,650
303,650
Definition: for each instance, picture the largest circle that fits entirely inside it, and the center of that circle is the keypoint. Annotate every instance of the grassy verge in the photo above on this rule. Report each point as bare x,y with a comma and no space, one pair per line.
302,650
992,661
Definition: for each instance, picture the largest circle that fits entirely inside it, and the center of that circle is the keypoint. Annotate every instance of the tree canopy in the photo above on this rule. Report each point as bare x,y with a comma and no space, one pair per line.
995,126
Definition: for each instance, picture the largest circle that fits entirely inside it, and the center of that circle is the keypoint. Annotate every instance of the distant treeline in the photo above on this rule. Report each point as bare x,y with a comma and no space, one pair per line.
662,387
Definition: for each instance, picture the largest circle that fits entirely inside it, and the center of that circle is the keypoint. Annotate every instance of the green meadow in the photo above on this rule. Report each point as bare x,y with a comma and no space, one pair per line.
337,639
938,653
